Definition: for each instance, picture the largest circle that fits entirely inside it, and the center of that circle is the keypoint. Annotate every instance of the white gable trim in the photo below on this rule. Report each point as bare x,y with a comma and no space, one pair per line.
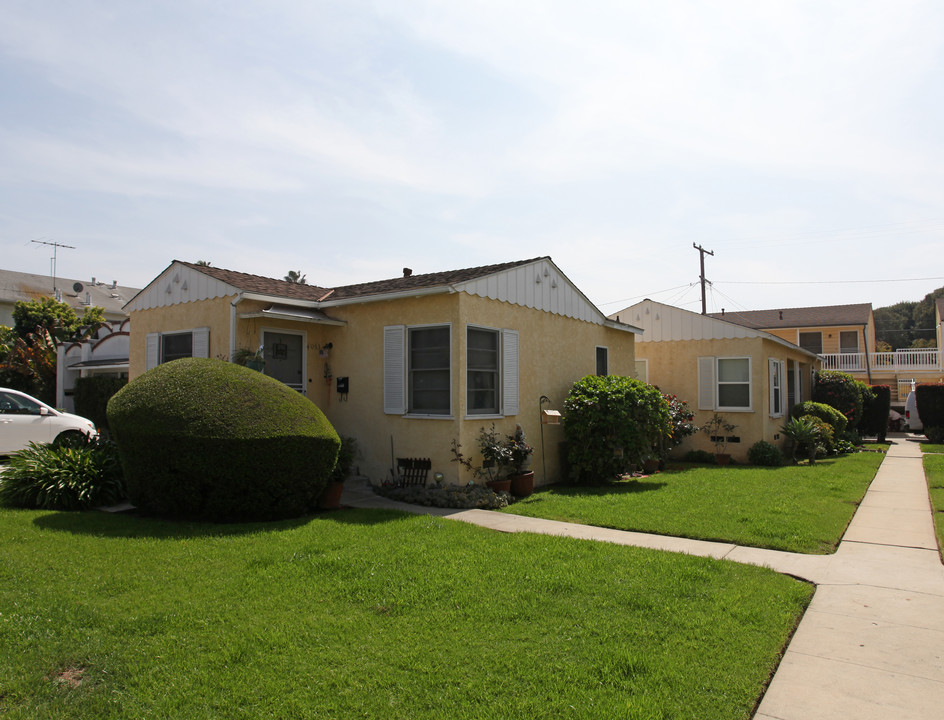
179,284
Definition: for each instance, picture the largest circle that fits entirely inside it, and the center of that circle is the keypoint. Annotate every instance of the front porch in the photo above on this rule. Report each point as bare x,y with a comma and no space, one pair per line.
897,369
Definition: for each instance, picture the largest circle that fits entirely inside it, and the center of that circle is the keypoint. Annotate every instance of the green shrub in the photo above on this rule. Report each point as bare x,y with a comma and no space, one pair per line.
346,456
828,414
206,439
764,454
841,391
825,443
74,475
929,400
803,435
92,395
934,434
612,424
700,456
875,408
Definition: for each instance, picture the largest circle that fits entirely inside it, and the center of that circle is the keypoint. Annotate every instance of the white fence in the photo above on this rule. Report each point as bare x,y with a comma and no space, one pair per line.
923,359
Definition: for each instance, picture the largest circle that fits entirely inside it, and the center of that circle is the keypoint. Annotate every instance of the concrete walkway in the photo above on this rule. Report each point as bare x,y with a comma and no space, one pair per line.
871,644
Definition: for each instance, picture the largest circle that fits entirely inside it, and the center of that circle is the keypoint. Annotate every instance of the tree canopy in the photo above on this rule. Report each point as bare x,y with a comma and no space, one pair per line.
907,324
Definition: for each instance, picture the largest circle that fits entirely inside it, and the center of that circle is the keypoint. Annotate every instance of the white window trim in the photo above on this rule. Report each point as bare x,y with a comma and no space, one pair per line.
774,391
508,381
396,379
499,360
708,383
153,345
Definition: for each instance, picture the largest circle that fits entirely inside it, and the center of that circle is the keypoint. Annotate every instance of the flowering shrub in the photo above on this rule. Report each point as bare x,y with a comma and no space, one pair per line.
518,450
680,418
841,391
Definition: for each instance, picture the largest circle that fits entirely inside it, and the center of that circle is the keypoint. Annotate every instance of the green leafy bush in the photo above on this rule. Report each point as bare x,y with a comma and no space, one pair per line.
74,475
206,439
612,424
825,443
346,456
92,395
841,391
930,403
875,408
828,414
803,435
935,435
764,454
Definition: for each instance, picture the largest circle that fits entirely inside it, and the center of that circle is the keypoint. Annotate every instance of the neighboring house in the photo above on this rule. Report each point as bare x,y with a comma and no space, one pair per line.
749,376
105,353
844,336
16,287
405,365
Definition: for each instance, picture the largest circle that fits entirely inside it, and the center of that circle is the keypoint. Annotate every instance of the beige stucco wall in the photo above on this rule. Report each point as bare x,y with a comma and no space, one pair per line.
554,352
673,367
831,335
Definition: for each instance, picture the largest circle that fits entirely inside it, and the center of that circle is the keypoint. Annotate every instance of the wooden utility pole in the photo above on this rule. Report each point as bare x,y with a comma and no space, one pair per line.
702,251
55,248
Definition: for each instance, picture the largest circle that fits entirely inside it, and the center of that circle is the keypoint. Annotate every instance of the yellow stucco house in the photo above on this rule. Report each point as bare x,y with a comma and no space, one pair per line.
844,337
404,365
749,376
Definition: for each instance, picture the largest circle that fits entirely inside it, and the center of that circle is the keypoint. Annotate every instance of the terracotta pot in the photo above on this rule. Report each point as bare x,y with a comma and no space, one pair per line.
722,458
500,485
522,484
330,498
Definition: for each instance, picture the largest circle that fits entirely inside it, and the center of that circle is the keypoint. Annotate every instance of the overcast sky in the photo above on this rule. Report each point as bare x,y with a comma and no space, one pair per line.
799,141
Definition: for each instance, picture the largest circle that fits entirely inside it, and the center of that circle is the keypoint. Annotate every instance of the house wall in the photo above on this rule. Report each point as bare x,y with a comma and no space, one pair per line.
673,367
831,335
554,352
214,314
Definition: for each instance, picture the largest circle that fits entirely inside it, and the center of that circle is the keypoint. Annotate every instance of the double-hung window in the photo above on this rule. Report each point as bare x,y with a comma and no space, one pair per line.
777,372
418,371
812,341
603,360
482,370
428,370
724,383
164,347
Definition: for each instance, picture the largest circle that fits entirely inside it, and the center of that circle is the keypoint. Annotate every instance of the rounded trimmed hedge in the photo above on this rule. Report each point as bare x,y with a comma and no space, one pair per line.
827,413
209,440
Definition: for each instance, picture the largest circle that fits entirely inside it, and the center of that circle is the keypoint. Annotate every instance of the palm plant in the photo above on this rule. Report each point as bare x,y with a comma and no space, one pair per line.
294,276
801,433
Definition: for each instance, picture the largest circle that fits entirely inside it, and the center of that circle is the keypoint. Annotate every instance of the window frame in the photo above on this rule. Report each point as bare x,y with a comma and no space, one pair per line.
709,372
800,335
854,333
498,374
605,357
154,345
409,370
777,369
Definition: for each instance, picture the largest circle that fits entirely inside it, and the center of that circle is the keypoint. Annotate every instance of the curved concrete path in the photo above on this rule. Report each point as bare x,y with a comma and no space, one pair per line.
871,644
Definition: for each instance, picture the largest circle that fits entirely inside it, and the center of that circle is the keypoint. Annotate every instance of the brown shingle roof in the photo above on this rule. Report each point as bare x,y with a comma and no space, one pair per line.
824,315
282,288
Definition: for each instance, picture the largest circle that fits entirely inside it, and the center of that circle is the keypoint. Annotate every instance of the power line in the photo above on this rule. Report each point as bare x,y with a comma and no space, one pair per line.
819,282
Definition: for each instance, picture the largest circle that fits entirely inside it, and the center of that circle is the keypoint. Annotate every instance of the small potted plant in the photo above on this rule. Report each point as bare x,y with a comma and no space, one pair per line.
716,430
330,498
519,451
495,455
248,358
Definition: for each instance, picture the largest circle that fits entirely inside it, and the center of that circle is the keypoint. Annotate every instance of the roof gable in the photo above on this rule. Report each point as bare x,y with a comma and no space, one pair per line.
819,316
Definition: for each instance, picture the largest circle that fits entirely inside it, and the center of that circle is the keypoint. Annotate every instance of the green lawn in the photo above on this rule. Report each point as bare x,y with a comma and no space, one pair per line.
934,471
799,508
373,614
930,448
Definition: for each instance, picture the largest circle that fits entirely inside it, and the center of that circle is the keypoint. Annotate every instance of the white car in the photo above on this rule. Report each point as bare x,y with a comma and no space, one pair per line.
24,419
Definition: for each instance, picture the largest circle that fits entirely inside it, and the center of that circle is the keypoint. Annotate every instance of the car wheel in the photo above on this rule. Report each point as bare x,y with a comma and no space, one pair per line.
70,438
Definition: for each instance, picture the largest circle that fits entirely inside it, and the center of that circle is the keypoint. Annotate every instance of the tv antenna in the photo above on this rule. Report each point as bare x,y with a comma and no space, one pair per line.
702,253
55,250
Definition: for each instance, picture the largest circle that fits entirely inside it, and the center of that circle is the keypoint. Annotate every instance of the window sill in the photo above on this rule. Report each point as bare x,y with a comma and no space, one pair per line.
413,416
490,416
734,410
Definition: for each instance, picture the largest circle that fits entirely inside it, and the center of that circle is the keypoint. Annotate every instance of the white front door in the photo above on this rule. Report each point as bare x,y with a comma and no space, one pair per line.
285,358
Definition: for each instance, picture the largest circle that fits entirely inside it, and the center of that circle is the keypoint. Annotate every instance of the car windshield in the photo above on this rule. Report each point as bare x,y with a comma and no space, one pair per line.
11,404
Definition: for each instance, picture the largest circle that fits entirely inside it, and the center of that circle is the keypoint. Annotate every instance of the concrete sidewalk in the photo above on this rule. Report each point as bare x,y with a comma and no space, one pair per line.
871,644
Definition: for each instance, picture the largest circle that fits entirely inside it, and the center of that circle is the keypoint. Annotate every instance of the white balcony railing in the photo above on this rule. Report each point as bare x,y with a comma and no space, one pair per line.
923,359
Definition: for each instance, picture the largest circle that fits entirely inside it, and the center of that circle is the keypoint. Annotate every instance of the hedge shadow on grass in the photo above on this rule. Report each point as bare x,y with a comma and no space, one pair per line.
132,525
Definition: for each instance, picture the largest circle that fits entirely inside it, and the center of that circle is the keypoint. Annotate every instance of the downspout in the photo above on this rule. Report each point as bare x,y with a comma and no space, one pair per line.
865,344
232,325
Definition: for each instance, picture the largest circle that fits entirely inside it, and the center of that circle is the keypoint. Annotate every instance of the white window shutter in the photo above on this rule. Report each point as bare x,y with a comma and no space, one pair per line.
706,383
509,372
394,369
201,342
771,390
152,354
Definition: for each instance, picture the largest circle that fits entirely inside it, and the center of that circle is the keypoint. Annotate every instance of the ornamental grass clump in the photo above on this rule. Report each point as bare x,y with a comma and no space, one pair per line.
74,475
209,440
